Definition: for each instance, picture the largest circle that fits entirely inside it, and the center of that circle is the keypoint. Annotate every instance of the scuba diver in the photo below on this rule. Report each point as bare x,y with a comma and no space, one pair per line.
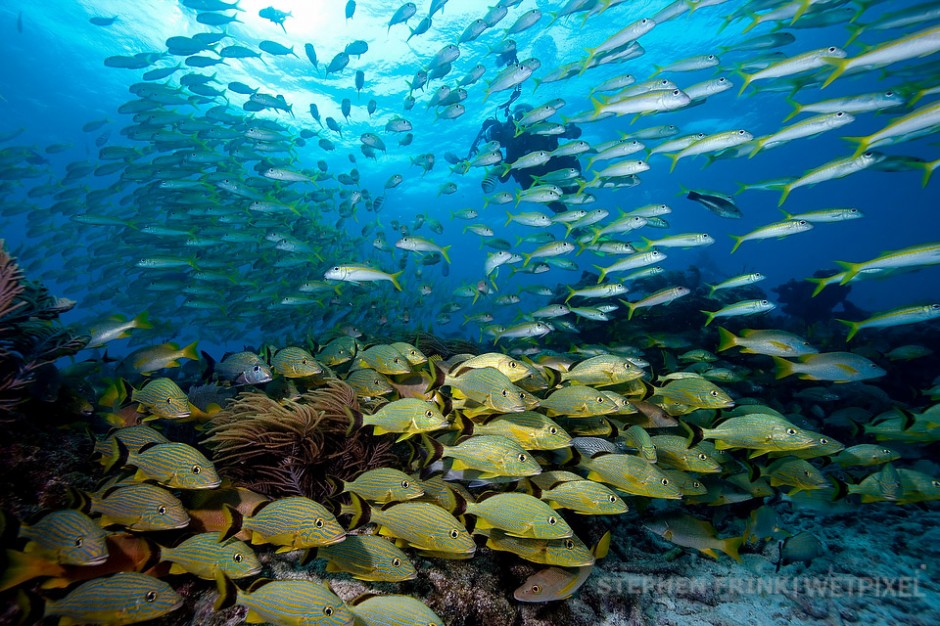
504,131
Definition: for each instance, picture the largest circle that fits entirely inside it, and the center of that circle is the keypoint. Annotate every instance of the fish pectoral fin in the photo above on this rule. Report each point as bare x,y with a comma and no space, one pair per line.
177,569
709,552
254,618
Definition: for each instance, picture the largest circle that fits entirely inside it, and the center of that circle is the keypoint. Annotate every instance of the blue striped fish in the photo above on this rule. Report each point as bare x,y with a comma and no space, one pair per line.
368,557
519,515
125,598
163,398
393,610
286,603
567,552
424,526
384,485
203,555
141,507
292,523
68,537
134,437
294,362
172,464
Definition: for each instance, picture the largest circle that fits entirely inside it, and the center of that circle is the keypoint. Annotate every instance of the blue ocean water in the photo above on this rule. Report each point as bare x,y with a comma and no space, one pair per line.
55,81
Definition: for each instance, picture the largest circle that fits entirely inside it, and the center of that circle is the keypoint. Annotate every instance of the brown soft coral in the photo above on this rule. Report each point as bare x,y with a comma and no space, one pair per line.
30,336
284,448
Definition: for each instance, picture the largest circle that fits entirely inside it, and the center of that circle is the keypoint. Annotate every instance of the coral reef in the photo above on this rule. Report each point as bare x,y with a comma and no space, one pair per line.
31,338
288,447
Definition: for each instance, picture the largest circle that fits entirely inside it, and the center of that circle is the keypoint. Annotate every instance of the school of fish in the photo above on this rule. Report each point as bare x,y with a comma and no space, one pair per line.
222,207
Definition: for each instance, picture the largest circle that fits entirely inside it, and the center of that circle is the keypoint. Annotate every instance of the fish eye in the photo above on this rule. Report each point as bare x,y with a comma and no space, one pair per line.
611,498
237,557
536,589
886,451
169,400
552,520
713,393
318,523
512,364
721,80
791,431
429,413
867,155
78,542
676,92
396,561
889,93
162,510
327,610
935,483
336,269
741,132
505,393
454,534
151,596
832,48
696,484
665,481
256,368
840,114
823,441
569,544
196,469
552,430
703,457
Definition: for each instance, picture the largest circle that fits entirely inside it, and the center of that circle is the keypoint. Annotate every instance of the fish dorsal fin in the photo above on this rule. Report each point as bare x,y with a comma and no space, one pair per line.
602,546
259,507
486,495
147,446
258,584
361,598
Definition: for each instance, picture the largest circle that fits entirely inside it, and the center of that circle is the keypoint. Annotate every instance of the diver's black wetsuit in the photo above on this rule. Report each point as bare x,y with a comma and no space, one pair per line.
516,147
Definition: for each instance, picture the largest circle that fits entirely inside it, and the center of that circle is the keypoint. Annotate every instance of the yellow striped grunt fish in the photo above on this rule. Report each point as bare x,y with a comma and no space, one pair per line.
291,523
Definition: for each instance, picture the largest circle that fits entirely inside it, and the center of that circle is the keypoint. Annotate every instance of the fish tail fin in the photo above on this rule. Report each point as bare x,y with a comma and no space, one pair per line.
537,83
119,455
355,420
20,567
745,83
433,448
758,146
631,308
463,425
820,285
603,274
526,258
854,31
233,521
31,607
726,339
804,5
228,592
797,108
647,244
597,104
755,20
142,321
675,159
394,278
782,367
509,217
731,545
928,171
840,66
360,511
191,351
861,144
571,292
709,316
850,270
854,327
602,547
784,194
444,253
